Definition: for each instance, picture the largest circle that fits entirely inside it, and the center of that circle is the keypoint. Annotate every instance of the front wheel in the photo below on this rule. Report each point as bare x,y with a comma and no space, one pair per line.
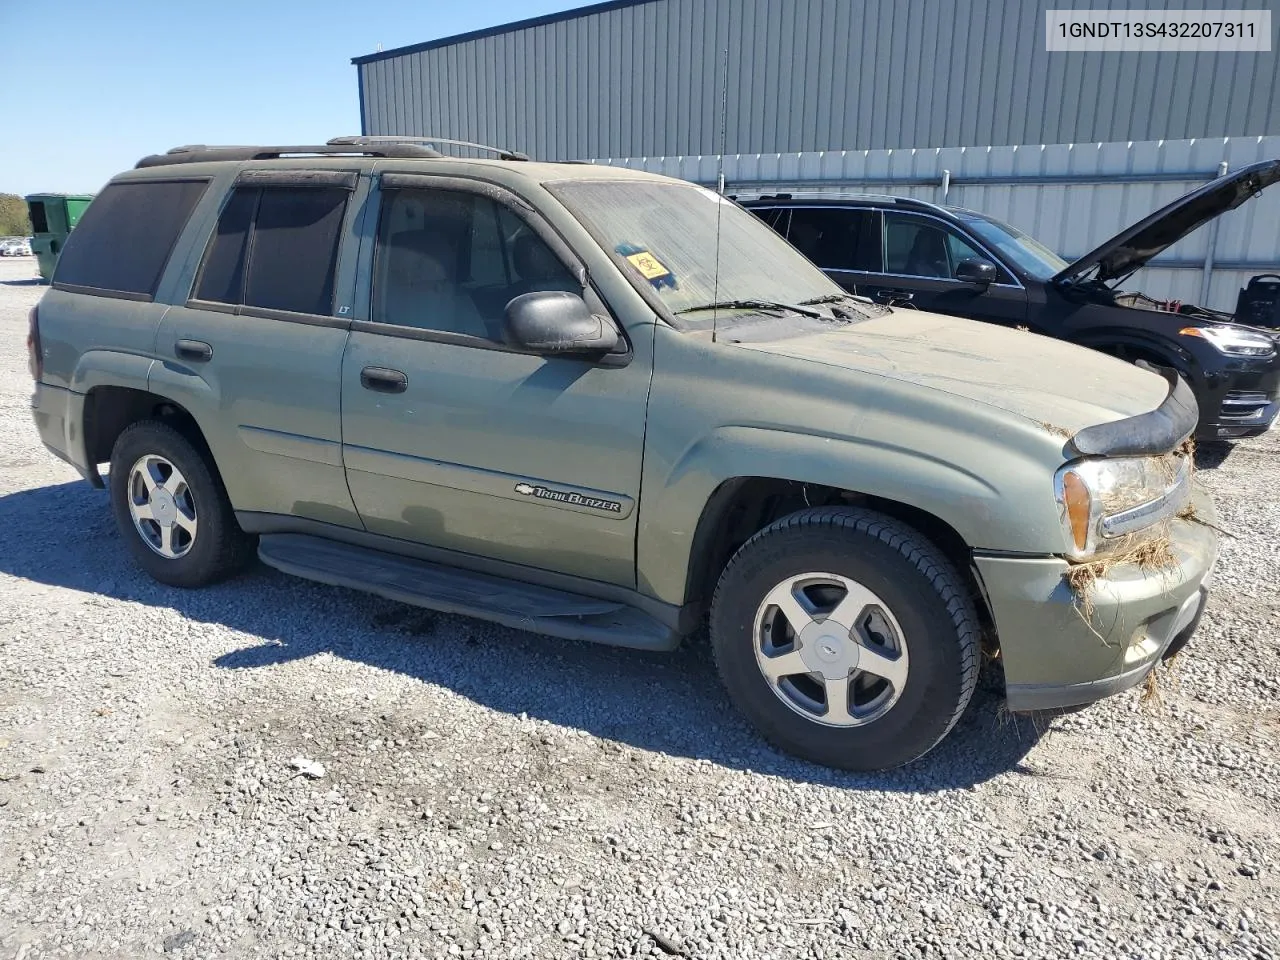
846,637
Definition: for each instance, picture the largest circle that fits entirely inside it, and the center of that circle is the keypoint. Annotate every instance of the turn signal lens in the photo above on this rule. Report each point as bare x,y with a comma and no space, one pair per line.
1075,497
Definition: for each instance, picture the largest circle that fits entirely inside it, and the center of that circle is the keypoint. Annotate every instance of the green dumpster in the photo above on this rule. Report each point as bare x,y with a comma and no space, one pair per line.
53,215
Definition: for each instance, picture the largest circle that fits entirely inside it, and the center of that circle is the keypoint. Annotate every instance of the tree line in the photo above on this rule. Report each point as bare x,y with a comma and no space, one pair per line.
13,216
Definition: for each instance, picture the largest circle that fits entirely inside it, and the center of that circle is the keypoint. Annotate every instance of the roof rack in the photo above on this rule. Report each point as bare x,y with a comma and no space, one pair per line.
198,153
815,197
502,152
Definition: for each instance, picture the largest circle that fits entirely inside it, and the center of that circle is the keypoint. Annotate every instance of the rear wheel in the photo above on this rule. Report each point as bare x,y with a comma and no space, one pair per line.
846,637
172,510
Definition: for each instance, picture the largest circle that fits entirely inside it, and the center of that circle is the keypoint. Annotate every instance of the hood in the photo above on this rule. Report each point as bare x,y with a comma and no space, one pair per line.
1045,380
1132,248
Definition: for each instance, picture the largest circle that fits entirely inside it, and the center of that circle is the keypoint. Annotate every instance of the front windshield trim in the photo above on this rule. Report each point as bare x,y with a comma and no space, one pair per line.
667,312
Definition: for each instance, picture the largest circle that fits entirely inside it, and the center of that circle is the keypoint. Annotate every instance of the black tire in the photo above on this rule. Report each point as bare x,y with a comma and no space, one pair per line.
219,549
921,588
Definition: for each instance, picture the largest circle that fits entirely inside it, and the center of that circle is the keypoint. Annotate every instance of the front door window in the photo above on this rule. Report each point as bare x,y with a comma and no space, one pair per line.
920,247
451,261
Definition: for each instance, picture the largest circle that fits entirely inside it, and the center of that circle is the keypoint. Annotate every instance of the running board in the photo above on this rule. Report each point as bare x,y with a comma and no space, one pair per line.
523,606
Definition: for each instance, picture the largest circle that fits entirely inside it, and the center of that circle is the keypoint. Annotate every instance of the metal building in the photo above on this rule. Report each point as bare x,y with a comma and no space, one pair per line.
635,78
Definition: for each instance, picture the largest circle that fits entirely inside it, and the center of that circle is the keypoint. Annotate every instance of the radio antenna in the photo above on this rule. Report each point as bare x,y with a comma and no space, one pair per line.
724,109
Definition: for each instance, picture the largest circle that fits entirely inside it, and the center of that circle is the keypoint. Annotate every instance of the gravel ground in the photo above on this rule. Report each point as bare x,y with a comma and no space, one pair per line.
488,793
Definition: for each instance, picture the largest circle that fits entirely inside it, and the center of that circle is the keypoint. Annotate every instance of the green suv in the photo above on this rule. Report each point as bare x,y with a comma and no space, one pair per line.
605,405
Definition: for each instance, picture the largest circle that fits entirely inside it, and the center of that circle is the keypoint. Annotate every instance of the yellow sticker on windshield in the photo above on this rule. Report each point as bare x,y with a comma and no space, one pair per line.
650,267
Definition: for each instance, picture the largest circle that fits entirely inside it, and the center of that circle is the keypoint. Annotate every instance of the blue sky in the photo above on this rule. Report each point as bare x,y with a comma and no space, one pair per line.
90,86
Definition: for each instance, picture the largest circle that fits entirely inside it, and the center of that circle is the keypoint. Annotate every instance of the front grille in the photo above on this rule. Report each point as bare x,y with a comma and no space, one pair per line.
1246,397
1244,404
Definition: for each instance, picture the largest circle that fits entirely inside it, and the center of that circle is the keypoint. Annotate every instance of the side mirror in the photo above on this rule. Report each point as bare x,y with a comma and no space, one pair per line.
554,322
980,272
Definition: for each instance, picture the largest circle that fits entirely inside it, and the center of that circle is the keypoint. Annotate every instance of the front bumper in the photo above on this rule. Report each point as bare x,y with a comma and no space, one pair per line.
1242,401
1055,656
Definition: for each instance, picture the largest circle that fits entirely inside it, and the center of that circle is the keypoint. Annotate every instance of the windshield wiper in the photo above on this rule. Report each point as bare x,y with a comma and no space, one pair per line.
839,297
753,305
854,301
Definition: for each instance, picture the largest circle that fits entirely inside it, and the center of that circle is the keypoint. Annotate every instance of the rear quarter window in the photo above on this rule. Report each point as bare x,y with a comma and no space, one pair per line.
123,241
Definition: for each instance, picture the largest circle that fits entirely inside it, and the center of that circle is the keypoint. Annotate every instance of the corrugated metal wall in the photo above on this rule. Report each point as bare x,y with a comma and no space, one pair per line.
806,75
1072,197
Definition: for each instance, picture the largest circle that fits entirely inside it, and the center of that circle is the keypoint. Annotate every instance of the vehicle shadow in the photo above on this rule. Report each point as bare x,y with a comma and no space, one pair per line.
33,282
63,535
1211,454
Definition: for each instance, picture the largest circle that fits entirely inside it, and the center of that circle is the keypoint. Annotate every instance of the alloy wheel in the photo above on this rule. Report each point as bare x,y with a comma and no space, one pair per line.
162,507
830,649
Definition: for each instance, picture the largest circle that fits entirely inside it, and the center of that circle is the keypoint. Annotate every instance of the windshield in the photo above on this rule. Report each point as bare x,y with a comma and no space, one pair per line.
1031,256
664,234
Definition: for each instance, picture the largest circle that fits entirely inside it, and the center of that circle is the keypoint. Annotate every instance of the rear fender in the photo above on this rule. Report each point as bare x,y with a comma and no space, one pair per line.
95,369
110,368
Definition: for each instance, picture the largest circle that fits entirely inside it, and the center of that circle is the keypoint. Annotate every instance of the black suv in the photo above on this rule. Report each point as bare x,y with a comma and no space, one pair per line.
909,253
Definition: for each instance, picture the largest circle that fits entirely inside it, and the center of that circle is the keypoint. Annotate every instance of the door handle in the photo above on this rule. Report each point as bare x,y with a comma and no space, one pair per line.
194,350
384,380
884,295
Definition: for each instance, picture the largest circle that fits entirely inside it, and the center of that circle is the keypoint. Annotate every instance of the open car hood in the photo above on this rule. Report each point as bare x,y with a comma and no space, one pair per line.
1132,248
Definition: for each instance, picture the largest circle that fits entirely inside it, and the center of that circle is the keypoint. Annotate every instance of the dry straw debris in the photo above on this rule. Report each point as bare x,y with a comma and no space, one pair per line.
1150,556
1058,431
1151,696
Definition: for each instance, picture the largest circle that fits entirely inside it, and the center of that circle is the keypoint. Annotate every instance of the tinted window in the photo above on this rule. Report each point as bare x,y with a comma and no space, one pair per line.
222,275
451,261
837,239
488,261
960,249
775,217
919,247
294,249
125,236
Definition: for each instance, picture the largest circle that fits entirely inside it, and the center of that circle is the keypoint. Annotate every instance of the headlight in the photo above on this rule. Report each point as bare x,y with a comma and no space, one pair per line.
1232,341
1108,504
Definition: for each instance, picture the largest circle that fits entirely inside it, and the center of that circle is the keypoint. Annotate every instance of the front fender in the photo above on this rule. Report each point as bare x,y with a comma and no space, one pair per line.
981,508
1141,344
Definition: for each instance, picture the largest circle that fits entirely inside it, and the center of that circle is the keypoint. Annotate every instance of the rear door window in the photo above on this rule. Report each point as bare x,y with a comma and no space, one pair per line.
294,249
275,248
123,241
837,238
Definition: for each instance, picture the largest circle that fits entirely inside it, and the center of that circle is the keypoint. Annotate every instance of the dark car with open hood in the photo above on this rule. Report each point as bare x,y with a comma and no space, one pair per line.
909,253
